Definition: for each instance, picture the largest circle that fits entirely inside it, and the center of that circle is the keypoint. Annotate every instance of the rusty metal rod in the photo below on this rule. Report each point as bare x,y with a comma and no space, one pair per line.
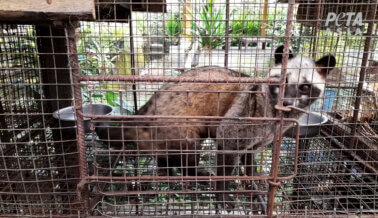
132,57
90,179
173,151
75,72
364,61
227,34
186,117
191,91
175,178
273,186
69,215
181,178
185,191
180,79
317,27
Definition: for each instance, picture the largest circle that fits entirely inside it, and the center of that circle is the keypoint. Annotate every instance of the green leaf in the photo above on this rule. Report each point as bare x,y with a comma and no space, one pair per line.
97,95
111,98
164,200
153,200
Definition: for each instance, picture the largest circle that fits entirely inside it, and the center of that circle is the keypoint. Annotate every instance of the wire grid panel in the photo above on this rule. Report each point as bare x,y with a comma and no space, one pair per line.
326,184
337,171
159,174
129,173
38,169
191,34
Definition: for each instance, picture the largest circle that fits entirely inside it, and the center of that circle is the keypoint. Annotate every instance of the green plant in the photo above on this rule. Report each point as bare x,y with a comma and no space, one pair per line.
210,26
98,54
103,49
174,25
141,25
244,25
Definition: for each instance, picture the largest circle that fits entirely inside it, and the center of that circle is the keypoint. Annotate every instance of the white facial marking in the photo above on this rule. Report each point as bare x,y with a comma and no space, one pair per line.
301,69
297,103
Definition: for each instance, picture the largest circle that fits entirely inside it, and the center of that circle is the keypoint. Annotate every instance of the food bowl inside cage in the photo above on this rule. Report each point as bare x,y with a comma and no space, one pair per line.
67,115
309,125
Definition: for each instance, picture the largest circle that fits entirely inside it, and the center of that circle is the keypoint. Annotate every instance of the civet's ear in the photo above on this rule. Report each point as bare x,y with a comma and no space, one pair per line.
278,55
325,64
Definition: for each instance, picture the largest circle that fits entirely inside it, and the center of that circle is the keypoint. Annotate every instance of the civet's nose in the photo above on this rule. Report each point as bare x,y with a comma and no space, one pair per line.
288,102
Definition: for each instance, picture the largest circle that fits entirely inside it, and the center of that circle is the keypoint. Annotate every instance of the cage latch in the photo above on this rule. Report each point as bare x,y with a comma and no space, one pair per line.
274,183
282,108
80,188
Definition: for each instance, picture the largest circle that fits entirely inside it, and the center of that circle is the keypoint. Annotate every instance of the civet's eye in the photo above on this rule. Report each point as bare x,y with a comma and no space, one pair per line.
305,88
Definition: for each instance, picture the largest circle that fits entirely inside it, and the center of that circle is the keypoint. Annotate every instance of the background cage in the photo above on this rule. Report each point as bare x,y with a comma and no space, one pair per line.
50,61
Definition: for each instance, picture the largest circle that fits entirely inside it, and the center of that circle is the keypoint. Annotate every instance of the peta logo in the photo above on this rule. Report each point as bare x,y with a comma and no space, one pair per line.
351,22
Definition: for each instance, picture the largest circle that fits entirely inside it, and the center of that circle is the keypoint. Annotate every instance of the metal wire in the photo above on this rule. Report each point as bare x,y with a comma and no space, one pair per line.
139,153
38,165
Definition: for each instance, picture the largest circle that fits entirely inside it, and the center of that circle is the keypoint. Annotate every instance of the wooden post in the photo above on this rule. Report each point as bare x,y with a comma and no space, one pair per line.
187,17
52,54
57,89
263,24
42,10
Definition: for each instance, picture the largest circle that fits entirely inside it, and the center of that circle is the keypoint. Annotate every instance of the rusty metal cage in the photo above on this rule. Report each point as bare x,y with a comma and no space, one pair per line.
110,117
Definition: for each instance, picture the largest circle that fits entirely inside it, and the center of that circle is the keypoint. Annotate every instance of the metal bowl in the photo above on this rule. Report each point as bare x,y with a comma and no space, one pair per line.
309,125
67,115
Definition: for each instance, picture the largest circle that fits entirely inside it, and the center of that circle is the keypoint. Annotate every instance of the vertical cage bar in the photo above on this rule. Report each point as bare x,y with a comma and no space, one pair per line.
132,56
317,26
227,43
80,134
273,184
263,24
364,62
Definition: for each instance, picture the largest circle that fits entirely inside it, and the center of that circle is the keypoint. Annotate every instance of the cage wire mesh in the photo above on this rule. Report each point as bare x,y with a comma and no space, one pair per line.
155,134
38,167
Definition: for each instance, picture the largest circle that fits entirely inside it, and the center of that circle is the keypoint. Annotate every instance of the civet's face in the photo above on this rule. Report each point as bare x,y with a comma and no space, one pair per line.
305,78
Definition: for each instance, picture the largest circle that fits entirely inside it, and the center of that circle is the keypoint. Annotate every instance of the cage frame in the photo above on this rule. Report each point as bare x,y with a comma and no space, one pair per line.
274,180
